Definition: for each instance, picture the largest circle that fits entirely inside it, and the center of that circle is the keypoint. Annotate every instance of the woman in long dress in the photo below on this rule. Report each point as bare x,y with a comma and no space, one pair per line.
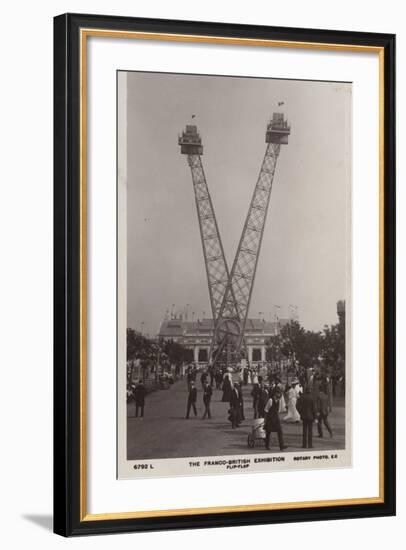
298,389
282,402
293,415
227,388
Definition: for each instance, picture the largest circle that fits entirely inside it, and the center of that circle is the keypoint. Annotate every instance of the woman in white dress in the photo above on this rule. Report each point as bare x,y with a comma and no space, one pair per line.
282,402
293,415
298,389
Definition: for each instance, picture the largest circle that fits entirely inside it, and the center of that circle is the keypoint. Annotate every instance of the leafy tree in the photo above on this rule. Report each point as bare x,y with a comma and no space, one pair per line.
295,343
333,351
273,349
138,347
174,351
305,346
167,352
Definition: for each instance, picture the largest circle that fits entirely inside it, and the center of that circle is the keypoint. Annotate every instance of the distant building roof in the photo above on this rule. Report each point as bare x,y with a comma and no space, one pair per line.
175,328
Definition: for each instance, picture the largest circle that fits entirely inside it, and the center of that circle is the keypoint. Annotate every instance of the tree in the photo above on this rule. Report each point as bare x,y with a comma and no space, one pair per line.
333,351
164,352
273,349
295,343
306,346
175,352
138,347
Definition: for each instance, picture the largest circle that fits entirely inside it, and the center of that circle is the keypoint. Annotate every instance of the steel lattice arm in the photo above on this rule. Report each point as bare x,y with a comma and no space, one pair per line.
213,252
237,297
230,294
216,266
241,282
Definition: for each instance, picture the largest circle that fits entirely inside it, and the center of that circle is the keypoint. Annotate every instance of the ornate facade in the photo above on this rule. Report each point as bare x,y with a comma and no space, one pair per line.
197,335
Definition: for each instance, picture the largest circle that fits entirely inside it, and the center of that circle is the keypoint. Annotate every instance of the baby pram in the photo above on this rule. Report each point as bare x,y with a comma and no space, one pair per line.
257,432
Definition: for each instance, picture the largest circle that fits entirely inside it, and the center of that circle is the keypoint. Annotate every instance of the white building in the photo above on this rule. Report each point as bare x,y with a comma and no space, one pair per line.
197,335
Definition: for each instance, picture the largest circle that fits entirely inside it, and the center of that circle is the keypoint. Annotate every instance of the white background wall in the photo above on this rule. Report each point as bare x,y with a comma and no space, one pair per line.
26,272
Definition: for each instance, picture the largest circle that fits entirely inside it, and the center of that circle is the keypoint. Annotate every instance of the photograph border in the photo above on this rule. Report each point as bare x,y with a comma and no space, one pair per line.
71,32
345,458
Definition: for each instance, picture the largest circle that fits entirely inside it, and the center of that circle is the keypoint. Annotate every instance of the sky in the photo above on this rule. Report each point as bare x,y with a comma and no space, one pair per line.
305,250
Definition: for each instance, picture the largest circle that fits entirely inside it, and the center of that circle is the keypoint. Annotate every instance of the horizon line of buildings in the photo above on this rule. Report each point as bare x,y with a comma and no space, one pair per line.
197,336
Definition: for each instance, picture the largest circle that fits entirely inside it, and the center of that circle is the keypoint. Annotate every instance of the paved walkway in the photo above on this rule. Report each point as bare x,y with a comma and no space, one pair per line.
165,433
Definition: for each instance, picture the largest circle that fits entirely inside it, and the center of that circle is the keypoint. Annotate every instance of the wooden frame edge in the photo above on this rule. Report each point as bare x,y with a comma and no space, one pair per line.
84,517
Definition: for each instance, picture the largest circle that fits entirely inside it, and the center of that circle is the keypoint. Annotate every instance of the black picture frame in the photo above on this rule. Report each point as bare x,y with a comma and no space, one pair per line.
68,519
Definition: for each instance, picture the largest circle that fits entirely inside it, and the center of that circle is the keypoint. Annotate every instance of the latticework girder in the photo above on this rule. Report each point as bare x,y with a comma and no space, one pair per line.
230,293
213,252
238,293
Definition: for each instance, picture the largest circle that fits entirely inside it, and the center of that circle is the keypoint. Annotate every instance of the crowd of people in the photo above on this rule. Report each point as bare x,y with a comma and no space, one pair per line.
305,399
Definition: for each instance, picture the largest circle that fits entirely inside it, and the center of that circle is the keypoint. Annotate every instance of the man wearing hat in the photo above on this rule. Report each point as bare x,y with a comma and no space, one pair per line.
191,399
207,393
322,407
263,396
235,407
307,408
140,392
272,420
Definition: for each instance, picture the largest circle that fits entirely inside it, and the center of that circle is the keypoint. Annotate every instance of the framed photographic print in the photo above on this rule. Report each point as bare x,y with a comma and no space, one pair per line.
224,274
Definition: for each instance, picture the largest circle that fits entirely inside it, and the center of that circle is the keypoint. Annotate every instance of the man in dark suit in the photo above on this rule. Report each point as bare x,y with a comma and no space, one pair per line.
235,407
263,396
140,392
211,372
322,407
203,378
219,378
207,393
191,399
272,420
189,377
306,405
240,403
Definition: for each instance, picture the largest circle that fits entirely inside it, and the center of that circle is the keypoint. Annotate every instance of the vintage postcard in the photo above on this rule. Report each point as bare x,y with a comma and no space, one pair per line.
234,274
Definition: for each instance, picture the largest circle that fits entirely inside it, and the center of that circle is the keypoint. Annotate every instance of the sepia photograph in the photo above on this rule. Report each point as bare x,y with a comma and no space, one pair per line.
233,274
224,274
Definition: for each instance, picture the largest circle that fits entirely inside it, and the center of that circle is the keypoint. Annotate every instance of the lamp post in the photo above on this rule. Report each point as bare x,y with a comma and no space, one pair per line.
276,319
